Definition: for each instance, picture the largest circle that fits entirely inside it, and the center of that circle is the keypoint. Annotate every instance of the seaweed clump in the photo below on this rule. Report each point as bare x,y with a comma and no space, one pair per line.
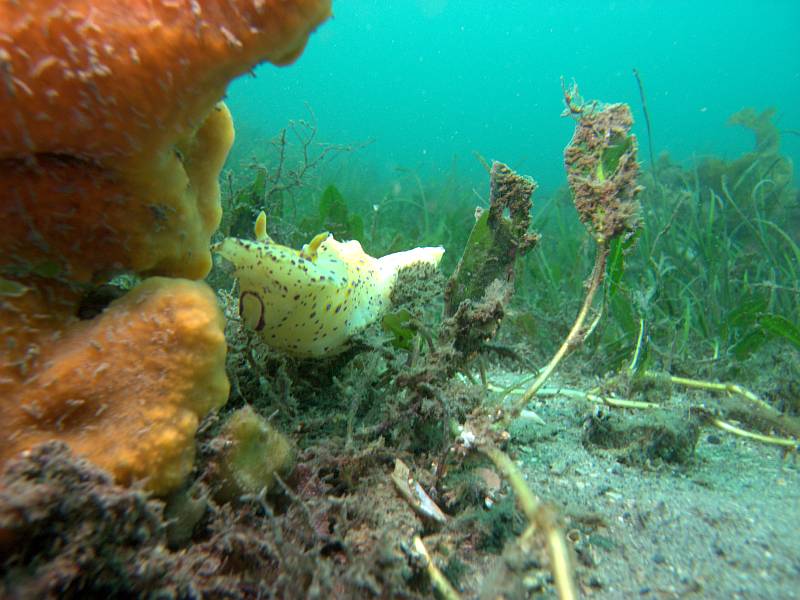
253,456
66,530
496,241
602,169
760,179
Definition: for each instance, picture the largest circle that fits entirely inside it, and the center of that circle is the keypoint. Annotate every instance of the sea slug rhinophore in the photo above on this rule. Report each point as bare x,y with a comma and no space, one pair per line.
310,302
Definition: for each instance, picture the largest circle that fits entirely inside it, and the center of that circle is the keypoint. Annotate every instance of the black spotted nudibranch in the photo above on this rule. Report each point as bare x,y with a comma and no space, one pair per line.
310,302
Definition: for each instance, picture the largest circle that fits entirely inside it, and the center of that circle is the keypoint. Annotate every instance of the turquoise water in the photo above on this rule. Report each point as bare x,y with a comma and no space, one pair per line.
432,81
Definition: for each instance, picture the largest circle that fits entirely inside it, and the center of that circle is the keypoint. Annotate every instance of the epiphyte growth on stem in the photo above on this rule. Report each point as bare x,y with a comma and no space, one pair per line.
602,169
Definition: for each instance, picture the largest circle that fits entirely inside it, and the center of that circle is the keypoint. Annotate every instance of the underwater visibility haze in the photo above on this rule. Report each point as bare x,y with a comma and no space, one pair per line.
414,299
430,81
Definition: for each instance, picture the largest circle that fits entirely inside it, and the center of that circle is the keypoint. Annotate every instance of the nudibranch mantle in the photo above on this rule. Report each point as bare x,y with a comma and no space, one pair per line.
310,302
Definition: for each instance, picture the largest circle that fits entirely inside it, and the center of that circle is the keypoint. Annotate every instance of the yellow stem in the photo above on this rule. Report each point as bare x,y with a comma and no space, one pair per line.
543,518
438,579
766,439
761,409
574,338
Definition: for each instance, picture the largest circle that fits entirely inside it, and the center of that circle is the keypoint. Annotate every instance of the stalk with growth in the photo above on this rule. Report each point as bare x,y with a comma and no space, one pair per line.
602,171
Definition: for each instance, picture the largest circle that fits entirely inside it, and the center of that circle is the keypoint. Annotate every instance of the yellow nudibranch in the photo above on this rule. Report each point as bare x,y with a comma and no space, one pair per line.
310,302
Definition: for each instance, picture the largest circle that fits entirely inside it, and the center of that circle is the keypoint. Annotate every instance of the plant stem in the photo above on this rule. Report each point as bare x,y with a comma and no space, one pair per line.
543,519
759,409
438,580
647,123
575,337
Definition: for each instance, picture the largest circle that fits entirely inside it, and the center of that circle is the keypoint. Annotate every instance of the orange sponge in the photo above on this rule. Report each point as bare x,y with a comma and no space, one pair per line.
125,389
83,221
110,144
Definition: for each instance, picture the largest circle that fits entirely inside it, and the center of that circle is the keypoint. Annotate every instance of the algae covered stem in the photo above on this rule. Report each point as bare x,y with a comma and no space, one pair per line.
576,335
602,172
